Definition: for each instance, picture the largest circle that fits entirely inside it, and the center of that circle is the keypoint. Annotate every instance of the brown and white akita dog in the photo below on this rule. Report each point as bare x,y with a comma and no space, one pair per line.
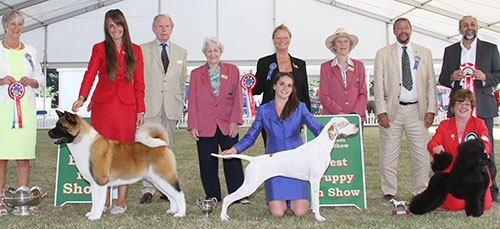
104,162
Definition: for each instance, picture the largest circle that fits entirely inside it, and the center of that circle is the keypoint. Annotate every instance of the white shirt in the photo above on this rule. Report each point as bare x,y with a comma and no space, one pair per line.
344,72
405,95
468,55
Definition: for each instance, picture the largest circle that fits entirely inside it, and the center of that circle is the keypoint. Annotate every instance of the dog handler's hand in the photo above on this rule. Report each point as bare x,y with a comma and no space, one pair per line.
438,149
233,129
139,120
194,134
78,103
229,151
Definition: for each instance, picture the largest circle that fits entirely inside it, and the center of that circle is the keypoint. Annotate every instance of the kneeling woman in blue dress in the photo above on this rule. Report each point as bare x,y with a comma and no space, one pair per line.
282,118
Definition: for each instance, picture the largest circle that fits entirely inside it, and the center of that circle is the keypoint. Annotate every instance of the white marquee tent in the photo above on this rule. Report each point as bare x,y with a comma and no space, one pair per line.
63,31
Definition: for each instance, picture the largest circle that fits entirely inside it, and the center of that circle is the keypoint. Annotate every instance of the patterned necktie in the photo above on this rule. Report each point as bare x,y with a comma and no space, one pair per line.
164,57
405,66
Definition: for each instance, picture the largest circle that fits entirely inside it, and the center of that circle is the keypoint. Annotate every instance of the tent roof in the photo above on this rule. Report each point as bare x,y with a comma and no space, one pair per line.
435,18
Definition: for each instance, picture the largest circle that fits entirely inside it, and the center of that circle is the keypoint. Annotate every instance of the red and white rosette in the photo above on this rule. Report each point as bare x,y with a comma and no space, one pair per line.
248,82
467,82
16,92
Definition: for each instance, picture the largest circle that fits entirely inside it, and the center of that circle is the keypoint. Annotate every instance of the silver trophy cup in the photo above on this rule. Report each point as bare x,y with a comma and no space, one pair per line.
23,198
207,206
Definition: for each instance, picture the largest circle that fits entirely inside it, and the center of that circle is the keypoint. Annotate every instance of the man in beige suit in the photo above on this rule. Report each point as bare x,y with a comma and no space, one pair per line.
165,68
405,101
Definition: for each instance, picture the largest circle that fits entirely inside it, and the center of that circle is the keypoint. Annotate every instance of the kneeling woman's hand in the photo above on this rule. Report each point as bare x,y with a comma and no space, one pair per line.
230,151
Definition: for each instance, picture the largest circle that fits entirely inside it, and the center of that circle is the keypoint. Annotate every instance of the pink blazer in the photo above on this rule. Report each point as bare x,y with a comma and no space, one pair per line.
205,111
335,97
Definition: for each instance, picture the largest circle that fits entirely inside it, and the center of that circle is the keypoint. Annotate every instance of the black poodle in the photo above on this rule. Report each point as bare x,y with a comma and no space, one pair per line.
468,180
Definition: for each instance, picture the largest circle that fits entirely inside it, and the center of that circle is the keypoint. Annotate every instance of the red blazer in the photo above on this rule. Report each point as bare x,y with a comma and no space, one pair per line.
205,111
447,136
129,93
336,97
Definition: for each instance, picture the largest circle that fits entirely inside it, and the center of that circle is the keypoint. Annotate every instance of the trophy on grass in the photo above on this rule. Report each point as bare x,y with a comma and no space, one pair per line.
24,199
397,211
207,206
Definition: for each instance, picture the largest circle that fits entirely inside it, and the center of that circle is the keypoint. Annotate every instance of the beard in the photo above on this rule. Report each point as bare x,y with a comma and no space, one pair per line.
403,40
470,34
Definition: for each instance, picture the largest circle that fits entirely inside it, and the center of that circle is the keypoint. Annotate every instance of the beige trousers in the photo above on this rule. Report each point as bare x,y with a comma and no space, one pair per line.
406,121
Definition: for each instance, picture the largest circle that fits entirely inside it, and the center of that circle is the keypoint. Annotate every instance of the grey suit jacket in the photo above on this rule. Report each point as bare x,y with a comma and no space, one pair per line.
387,81
488,61
160,88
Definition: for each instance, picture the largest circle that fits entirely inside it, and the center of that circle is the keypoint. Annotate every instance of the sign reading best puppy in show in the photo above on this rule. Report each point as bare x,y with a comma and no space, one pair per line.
343,183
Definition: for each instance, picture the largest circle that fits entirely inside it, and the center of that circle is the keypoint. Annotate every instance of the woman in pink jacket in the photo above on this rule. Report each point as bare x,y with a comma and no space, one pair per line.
215,106
342,87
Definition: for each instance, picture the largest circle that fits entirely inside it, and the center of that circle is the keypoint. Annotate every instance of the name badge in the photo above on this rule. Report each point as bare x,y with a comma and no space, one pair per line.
224,77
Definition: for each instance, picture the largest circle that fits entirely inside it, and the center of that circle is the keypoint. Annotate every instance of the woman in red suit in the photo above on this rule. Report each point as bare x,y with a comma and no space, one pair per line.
215,105
456,130
117,104
342,87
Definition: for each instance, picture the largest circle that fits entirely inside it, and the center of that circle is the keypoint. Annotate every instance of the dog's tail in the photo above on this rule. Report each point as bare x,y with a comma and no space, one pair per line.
433,196
152,135
441,161
240,156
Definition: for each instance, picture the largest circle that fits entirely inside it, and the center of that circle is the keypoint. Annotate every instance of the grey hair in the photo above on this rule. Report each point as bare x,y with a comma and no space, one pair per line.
212,40
12,14
163,15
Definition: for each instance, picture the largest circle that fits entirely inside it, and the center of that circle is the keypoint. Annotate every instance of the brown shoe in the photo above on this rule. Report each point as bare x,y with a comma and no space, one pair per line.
163,197
146,198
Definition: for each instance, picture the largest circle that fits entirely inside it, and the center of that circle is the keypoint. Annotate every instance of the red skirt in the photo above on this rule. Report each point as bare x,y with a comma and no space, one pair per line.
114,120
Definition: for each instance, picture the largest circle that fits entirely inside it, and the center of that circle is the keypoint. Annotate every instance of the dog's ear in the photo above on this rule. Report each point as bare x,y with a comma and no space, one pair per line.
59,113
70,118
331,132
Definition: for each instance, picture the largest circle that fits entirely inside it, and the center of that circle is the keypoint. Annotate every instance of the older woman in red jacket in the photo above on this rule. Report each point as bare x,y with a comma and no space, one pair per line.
215,105
117,104
342,85
456,130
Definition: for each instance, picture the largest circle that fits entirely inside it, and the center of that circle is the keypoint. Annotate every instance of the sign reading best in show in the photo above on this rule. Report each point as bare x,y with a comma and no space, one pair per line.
70,185
343,183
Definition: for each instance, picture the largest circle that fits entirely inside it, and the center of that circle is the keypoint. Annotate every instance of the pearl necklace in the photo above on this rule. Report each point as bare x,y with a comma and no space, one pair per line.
5,43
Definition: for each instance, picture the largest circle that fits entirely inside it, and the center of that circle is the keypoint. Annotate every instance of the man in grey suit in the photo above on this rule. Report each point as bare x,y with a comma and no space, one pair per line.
165,73
405,101
485,57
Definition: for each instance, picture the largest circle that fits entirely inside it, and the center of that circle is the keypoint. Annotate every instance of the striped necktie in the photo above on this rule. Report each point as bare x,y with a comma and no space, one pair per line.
164,57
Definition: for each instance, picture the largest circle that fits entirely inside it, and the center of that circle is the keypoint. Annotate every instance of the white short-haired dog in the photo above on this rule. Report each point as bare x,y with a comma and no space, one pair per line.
307,162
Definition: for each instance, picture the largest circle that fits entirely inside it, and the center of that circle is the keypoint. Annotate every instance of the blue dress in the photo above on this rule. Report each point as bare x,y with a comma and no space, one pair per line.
281,135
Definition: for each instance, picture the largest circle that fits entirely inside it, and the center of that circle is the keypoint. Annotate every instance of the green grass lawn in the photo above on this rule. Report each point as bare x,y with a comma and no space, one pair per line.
254,215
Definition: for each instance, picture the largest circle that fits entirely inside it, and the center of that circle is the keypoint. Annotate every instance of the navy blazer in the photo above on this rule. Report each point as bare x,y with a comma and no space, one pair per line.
281,134
266,85
488,61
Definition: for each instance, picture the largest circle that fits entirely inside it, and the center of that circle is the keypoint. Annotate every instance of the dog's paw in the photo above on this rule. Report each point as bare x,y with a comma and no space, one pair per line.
320,218
224,217
93,217
170,211
88,214
178,215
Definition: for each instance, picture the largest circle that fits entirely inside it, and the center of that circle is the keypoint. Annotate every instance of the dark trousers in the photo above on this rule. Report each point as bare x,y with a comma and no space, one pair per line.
209,165
492,166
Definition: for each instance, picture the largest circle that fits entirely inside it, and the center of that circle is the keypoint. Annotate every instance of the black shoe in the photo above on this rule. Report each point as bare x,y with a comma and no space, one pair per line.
146,198
388,197
243,201
163,197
